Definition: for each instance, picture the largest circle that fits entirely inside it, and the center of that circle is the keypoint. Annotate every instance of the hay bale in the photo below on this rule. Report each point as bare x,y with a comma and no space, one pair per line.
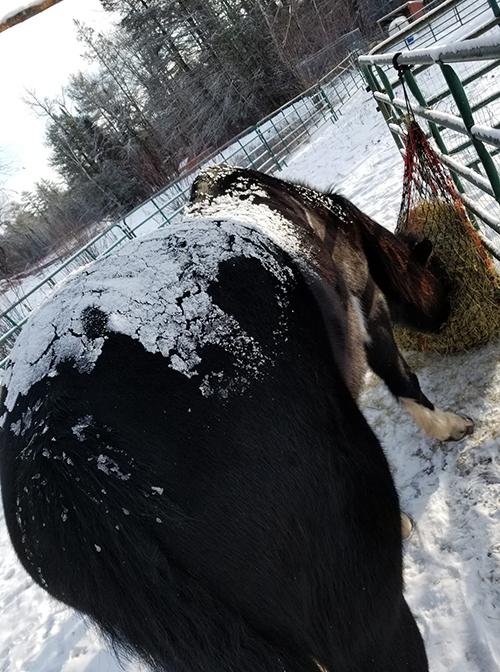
475,314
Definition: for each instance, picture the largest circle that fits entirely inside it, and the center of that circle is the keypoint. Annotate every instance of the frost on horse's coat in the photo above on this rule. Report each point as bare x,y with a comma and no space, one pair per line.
182,457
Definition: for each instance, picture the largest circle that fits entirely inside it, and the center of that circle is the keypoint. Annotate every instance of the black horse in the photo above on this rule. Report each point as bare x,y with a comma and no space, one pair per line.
182,456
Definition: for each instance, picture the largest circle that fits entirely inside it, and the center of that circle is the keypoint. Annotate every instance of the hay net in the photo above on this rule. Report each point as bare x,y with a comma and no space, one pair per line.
431,207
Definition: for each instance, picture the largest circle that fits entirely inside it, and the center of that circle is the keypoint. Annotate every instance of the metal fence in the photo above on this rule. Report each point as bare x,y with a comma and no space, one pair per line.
265,146
313,66
459,106
449,21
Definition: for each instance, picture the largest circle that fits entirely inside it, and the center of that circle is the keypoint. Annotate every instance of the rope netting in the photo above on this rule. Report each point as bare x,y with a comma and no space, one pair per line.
431,207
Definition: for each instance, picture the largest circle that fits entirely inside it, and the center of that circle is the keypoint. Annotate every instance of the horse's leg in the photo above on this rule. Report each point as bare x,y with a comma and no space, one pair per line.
387,362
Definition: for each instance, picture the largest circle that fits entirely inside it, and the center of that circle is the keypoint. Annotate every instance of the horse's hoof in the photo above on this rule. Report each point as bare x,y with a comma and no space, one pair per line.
470,427
407,526
467,430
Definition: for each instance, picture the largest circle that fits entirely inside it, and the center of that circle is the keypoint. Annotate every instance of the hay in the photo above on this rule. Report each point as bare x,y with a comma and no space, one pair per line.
475,314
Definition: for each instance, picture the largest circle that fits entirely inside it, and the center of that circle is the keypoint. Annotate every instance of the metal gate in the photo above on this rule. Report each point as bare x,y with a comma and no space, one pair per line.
455,91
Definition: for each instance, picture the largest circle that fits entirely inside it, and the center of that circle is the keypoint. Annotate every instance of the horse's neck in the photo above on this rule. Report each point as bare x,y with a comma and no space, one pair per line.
386,255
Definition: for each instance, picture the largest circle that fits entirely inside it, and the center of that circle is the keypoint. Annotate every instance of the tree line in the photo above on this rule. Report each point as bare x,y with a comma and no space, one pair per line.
171,80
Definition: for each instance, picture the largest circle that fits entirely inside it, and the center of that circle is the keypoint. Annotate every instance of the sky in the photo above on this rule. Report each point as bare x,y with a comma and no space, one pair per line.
39,54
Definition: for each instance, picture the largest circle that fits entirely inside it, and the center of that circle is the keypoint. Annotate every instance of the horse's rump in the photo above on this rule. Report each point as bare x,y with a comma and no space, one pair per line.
181,464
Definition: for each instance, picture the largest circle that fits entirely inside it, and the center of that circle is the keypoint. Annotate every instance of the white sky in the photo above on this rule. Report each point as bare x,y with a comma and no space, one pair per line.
38,54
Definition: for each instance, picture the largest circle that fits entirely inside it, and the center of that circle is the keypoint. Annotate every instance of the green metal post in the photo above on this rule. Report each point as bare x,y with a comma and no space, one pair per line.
372,82
351,72
385,82
460,98
415,89
337,92
459,18
247,155
494,8
280,136
300,119
126,229
385,109
334,116
345,87
319,103
165,218
268,147
387,86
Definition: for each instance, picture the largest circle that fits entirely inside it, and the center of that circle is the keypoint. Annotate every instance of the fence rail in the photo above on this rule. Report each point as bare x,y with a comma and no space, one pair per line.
264,147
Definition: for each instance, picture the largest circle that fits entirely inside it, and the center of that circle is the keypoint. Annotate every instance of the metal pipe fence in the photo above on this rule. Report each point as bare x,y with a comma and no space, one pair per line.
455,91
440,24
265,146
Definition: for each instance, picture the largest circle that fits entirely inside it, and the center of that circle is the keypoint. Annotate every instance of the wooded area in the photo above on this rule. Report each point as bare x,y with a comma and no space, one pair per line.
172,80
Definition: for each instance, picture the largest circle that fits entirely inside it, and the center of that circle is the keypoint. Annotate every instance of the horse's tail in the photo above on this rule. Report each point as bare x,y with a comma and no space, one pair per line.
92,528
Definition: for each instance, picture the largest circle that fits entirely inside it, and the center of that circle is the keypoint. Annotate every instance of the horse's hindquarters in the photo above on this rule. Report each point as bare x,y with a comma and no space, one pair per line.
229,510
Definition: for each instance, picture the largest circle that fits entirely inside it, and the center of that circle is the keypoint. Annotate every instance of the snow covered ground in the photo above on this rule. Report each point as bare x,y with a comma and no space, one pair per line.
452,491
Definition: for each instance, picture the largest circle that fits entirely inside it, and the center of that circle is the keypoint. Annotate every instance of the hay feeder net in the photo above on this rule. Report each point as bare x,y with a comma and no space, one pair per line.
431,207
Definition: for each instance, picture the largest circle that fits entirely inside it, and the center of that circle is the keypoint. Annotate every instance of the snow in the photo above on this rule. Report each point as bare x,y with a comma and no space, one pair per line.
78,430
110,467
475,48
443,118
452,561
487,134
164,274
